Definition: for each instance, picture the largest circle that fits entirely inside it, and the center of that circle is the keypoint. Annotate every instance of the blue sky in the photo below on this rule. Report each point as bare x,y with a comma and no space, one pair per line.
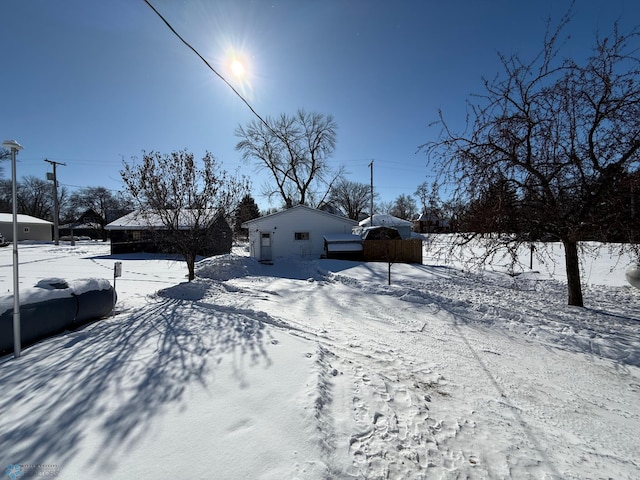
89,82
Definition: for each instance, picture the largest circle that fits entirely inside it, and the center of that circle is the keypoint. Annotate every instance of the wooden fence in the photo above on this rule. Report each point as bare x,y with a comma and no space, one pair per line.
395,251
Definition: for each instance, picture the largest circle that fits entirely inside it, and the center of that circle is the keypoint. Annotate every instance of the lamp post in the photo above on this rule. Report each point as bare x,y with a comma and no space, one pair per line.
14,147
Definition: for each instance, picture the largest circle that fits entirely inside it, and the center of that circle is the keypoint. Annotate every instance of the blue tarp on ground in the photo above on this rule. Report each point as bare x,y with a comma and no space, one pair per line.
53,306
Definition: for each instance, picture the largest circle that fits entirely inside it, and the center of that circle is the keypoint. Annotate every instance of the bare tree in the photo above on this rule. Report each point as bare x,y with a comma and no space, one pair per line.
404,207
6,194
295,150
4,155
560,134
353,198
186,199
384,207
429,196
423,194
35,197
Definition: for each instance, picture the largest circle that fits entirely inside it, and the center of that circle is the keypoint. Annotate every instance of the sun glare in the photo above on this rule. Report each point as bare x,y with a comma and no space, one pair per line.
237,68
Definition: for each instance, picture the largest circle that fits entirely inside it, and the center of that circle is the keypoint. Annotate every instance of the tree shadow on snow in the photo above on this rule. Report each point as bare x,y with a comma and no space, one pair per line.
538,310
122,371
607,327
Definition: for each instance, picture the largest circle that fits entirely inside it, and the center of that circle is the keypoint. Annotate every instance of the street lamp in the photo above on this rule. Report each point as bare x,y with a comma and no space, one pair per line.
14,147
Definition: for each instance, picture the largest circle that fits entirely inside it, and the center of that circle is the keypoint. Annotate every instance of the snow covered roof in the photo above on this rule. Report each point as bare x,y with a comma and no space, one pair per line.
381,219
8,218
296,208
140,220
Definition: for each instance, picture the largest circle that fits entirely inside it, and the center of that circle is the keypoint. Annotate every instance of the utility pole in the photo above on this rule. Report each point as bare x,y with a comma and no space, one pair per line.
56,237
371,209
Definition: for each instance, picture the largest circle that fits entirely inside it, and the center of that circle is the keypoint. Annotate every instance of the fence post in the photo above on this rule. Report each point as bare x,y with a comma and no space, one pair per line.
117,272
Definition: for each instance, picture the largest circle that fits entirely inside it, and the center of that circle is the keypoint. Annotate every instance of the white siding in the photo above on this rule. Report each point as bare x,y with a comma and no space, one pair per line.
283,226
29,228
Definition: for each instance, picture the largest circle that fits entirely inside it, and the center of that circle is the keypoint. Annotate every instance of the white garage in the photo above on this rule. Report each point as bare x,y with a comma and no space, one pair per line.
299,230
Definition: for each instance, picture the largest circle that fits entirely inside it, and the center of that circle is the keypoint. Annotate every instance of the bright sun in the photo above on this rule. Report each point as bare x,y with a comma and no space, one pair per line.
237,68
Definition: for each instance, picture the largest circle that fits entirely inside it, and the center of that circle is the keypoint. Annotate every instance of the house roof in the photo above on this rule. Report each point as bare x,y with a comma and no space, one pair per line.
82,226
8,218
141,220
385,220
298,208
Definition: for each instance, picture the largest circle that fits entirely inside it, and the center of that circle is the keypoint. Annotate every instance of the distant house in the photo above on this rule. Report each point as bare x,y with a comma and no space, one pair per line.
145,232
430,223
299,230
89,224
29,228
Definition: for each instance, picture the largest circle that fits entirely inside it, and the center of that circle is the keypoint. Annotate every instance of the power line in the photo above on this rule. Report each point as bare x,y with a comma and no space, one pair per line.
209,65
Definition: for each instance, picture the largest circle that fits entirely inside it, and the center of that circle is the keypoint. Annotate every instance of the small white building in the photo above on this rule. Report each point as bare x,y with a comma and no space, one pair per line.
299,230
384,220
29,228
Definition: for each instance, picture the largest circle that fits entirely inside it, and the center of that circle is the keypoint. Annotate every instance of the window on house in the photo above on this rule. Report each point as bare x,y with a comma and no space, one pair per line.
136,236
302,235
26,230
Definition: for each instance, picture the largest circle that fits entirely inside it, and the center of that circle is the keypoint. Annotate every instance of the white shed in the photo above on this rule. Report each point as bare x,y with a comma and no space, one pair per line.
383,220
298,230
29,228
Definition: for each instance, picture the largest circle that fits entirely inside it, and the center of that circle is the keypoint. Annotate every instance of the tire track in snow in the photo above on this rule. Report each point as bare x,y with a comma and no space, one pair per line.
515,411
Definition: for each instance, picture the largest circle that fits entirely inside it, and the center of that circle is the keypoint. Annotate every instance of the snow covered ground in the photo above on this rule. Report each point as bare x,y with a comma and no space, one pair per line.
320,370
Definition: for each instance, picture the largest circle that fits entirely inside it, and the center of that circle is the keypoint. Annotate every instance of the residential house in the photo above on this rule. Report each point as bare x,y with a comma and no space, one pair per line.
146,232
430,223
89,224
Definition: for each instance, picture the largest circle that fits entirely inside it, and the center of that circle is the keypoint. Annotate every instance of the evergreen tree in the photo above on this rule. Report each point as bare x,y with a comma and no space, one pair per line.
247,210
